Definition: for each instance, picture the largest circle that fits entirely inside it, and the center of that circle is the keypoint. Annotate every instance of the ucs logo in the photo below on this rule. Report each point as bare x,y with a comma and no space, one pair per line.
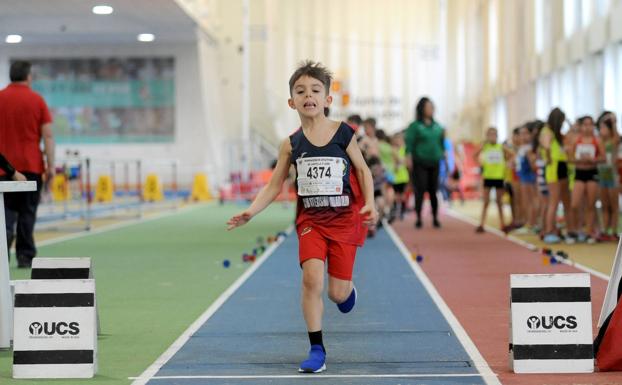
54,328
550,322
35,328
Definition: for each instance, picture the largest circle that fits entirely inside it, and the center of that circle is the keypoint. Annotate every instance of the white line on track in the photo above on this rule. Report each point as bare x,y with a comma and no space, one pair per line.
151,371
528,245
480,363
314,376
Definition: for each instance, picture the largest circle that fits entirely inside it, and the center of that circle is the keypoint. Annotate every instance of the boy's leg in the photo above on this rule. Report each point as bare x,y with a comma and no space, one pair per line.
341,290
312,251
606,208
499,192
551,208
312,309
486,201
590,213
564,196
613,199
578,195
312,288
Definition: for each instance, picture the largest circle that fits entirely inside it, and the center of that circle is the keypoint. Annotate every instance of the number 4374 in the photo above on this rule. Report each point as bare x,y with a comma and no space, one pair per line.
318,172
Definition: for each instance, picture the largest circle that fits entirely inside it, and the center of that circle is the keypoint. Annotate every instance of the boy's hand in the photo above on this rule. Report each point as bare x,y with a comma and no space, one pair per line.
370,215
238,220
19,177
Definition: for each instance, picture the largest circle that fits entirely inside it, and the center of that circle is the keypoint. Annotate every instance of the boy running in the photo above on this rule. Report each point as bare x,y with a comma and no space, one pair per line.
335,201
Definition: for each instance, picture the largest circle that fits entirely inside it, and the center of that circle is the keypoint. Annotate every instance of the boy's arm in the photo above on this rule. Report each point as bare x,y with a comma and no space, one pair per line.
509,154
365,179
477,153
270,191
571,148
545,140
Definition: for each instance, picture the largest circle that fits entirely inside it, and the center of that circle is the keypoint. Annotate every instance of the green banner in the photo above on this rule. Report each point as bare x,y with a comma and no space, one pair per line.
107,94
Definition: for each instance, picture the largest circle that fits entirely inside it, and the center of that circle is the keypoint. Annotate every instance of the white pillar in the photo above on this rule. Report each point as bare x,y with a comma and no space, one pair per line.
246,77
6,302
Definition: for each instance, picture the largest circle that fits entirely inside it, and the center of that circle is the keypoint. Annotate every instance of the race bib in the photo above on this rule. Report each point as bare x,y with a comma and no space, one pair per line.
320,175
494,157
585,150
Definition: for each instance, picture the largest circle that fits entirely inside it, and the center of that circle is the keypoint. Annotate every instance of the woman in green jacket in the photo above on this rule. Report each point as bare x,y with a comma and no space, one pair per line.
425,149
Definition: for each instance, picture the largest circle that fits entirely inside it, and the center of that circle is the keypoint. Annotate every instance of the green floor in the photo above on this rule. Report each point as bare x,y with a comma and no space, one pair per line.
154,279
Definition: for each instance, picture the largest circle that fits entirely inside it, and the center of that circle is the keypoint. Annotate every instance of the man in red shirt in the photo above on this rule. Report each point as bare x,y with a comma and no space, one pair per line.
24,121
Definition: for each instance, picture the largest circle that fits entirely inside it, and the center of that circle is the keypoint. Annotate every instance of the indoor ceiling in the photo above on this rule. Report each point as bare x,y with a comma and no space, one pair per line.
72,22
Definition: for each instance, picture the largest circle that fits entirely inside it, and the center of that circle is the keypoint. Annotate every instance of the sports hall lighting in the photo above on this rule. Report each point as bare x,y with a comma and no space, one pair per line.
102,10
13,39
146,37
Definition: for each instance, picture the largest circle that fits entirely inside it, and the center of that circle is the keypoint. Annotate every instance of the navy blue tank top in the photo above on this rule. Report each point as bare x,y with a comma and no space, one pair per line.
323,173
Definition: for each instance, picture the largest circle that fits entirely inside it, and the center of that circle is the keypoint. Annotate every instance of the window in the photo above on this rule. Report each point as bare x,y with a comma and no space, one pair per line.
586,12
461,63
493,41
568,91
589,86
539,25
543,97
500,119
570,17
611,73
556,90
579,88
602,7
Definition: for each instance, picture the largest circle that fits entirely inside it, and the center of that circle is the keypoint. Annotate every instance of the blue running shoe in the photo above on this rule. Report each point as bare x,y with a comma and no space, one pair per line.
316,363
551,239
348,304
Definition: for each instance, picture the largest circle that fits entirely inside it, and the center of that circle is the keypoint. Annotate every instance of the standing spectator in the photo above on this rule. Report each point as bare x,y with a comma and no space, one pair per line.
400,183
608,177
24,121
446,169
425,142
369,142
556,173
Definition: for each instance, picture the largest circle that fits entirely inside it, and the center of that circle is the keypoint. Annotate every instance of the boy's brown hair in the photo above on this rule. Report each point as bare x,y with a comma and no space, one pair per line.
312,69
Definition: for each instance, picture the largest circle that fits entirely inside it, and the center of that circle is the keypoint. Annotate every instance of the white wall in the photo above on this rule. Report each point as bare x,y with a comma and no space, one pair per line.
198,118
566,67
386,54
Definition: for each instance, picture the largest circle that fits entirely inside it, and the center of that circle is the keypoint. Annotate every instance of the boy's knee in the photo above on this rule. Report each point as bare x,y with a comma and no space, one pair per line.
313,282
338,294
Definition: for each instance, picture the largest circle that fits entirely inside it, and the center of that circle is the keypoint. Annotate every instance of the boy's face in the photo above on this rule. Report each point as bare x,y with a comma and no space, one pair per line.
587,127
491,136
309,97
398,140
369,130
525,135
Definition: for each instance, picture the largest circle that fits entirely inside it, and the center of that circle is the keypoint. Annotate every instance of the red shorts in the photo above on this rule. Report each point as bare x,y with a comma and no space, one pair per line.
312,244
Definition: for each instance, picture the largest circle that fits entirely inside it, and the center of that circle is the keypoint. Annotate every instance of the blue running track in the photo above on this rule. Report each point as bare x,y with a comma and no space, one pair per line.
395,334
